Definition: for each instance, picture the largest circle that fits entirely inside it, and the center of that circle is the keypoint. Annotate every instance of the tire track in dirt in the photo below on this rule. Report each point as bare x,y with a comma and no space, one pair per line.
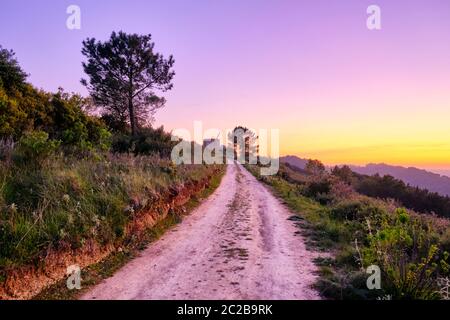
238,244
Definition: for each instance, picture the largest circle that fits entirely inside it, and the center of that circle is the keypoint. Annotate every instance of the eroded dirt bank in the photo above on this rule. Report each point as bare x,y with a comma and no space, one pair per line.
238,244
27,281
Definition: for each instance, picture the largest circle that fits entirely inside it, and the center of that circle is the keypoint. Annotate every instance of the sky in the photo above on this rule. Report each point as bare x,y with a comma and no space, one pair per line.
336,90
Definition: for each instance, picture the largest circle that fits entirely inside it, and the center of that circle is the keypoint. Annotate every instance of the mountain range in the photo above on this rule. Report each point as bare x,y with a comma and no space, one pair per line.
413,176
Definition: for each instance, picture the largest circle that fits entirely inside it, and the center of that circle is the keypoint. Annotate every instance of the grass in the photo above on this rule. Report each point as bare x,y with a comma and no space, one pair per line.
94,274
69,201
358,231
64,202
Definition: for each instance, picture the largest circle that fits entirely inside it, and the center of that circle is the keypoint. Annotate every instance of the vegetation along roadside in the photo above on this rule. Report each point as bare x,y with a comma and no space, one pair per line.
87,181
410,248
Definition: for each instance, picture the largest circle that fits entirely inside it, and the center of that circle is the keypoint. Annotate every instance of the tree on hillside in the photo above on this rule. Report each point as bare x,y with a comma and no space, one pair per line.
315,167
11,74
344,173
124,73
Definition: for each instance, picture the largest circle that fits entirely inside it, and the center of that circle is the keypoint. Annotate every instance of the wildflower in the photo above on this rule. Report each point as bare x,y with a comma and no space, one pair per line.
62,233
66,198
70,219
129,209
96,220
13,207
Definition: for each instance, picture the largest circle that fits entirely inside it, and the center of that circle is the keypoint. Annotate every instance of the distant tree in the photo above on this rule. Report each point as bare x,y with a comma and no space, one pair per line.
387,187
344,173
11,74
315,167
124,73
250,140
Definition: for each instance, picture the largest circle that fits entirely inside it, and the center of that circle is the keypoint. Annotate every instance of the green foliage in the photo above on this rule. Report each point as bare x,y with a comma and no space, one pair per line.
11,74
411,197
124,73
70,124
410,248
67,201
148,141
344,173
358,210
445,240
315,167
408,253
60,115
318,188
13,119
34,147
6,149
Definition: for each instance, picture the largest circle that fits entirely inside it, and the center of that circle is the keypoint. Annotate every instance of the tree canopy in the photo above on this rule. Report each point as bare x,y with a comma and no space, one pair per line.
24,109
248,138
11,74
124,74
315,166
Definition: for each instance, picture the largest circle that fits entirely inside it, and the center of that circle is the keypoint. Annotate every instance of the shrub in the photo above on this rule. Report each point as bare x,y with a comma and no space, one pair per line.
148,141
387,187
60,115
34,147
358,210
6,149
316,187
408,255
445,240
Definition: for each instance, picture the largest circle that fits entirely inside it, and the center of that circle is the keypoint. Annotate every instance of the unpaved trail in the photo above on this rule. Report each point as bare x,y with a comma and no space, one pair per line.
238,244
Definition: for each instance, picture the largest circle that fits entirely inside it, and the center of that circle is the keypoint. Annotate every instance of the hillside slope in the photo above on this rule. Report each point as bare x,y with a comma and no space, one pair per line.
413,176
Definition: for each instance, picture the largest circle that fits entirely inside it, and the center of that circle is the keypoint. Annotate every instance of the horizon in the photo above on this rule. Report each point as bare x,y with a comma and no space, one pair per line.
242,153
440,171
337,91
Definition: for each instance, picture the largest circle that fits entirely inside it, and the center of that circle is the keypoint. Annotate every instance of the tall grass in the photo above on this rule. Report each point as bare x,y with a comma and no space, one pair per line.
66,201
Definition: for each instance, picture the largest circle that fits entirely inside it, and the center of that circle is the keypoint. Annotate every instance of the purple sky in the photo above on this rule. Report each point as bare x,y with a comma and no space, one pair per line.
336,90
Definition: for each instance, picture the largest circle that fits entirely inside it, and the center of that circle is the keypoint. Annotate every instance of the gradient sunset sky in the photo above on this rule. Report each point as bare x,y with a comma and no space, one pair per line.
336,90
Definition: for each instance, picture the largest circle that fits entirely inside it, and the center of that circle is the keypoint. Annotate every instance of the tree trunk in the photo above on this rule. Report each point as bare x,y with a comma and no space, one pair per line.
235,141
247,150
132,117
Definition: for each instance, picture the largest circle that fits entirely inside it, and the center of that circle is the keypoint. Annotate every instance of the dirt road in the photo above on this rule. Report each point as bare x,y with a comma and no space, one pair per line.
238,244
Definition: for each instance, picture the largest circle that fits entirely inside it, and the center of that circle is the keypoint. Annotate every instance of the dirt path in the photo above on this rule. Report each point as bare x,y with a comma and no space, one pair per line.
238,244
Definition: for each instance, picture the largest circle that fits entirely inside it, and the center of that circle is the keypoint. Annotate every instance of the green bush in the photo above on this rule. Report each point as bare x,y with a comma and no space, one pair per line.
358,210
148,141
445,240
34,147
60,115
6,149
318,187
407,252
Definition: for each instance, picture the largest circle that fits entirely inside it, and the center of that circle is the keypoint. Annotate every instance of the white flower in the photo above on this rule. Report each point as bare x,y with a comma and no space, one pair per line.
66,198
13,207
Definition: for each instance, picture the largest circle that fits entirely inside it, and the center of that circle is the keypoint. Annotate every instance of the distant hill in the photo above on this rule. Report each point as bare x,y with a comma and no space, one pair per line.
412,176
294,161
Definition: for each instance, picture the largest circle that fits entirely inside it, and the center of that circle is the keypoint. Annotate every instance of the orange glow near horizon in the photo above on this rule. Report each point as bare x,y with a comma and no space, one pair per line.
336,90
420,143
